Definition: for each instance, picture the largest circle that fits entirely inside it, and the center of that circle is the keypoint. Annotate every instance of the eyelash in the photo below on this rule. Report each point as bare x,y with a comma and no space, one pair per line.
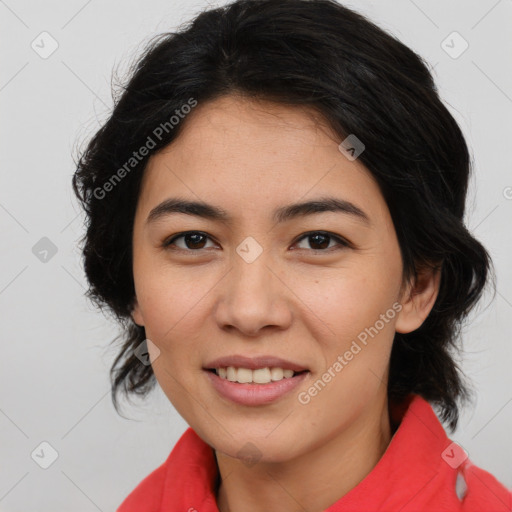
342,243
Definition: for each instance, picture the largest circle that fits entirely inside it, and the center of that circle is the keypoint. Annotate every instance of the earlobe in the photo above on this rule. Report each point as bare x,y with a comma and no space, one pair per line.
136,314
419,299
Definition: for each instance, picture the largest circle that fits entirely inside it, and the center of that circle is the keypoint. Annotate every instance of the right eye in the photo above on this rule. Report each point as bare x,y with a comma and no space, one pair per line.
193,241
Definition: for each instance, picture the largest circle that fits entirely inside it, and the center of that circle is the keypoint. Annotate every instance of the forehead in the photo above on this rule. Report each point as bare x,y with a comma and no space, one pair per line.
256,155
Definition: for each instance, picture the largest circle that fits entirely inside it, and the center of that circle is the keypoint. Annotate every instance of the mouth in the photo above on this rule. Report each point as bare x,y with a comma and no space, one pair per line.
259,376
255,381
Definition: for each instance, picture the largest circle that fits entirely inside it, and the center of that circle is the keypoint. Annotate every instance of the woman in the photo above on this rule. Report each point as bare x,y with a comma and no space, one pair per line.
275,214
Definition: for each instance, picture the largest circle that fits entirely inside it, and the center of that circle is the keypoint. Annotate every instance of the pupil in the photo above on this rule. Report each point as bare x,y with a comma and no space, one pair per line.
325,237
191,242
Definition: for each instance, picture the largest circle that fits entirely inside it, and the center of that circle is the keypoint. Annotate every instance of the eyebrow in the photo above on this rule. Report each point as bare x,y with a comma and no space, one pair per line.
282,214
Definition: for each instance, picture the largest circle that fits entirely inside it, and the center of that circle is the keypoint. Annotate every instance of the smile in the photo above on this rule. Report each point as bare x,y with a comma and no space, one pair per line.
250,392
258,376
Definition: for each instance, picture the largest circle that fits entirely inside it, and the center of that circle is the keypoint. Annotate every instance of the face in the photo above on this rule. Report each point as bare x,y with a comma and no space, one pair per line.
313,288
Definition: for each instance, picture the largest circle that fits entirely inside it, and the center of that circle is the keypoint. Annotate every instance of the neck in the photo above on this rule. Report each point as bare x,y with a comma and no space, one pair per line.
314,480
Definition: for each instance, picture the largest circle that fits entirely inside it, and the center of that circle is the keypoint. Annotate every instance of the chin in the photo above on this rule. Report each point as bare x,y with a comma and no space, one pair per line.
252,451
255,444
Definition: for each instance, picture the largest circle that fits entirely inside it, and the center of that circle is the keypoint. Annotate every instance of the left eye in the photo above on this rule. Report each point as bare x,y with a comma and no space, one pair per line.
322,239
195,240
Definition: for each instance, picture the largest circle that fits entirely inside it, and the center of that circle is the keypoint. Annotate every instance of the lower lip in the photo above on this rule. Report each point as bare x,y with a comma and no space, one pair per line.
255,394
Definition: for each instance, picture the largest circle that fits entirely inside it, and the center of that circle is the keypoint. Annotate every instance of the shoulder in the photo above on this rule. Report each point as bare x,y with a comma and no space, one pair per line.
183,475
147,495
453,481
482,491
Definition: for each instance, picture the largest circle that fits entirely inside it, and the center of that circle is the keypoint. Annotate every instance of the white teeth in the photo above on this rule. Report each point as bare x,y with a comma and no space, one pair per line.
259,376
231,373
243,375
277,373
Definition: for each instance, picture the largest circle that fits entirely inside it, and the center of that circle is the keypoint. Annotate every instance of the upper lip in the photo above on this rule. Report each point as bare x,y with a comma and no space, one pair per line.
254,362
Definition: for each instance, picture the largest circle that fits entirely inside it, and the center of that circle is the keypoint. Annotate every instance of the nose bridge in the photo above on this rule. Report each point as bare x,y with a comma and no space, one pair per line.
253,297
252,283
252,274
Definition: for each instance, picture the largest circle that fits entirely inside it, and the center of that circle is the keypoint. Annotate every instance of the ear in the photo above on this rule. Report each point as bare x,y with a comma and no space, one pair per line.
136,313
418,299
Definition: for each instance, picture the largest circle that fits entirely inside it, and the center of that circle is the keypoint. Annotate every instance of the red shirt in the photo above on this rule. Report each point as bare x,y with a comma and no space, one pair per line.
421,470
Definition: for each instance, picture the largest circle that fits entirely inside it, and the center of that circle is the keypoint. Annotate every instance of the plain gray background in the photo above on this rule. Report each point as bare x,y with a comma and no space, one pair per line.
55,346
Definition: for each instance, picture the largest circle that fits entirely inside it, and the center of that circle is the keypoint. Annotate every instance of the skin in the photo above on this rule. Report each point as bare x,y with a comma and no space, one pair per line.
250,157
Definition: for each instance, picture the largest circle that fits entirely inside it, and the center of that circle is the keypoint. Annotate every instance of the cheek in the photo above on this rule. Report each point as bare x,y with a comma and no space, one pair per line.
355,357
172,299
358,308
349,302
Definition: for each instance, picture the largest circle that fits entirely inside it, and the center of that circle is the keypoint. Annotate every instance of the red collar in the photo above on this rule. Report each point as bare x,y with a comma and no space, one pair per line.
415,473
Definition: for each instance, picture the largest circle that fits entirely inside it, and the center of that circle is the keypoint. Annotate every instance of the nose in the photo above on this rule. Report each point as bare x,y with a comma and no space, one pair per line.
253,298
